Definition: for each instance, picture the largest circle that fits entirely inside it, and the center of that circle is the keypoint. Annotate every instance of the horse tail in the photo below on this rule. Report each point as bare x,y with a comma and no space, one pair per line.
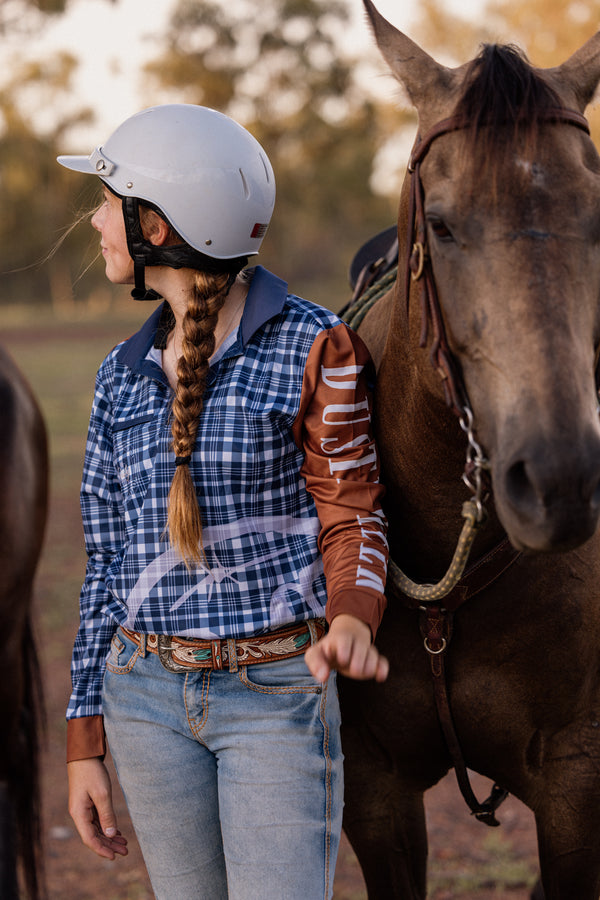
26,773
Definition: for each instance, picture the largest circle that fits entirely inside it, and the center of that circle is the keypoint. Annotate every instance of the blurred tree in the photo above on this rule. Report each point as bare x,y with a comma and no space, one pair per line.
26,15
451,39
283,75
34,195
21,13
549,31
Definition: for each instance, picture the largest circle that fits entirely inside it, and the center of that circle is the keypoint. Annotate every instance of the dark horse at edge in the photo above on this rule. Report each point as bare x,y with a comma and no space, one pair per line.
23,501
503,295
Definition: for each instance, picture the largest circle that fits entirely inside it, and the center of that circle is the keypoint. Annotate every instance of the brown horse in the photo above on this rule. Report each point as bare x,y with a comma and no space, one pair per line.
23,489
505,300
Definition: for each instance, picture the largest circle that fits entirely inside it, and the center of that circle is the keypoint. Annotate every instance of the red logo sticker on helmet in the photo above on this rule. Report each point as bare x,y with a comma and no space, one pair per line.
258,230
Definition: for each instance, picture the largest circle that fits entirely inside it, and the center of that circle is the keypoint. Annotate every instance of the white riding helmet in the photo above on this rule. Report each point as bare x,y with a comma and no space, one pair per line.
204,172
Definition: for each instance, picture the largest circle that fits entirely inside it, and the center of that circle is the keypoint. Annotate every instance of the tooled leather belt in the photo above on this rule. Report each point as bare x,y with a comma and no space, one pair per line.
180,654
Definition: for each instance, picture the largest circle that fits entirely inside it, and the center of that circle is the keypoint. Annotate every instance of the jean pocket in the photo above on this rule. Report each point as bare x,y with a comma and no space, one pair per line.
123,655
287,676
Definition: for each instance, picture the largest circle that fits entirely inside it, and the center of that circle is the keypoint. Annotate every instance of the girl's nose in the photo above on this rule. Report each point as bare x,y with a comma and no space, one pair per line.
96,220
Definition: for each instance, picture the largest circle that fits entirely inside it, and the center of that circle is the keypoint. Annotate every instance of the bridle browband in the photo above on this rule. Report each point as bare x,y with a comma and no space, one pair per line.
418,261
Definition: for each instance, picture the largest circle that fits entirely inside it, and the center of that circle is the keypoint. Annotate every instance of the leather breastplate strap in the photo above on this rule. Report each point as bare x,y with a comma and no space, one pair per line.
436,628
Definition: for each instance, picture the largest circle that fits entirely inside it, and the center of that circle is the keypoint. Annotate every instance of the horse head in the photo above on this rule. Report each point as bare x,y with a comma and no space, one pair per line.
510,195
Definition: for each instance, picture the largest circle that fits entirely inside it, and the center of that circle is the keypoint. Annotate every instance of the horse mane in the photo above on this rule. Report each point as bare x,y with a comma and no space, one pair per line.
501,102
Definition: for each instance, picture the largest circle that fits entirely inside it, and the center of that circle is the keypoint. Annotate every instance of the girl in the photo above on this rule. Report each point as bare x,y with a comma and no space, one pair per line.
232,517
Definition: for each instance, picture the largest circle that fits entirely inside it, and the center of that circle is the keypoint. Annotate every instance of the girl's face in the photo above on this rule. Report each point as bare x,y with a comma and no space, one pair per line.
108,220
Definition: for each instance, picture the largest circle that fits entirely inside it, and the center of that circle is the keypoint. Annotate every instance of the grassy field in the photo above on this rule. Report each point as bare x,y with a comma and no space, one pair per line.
60,359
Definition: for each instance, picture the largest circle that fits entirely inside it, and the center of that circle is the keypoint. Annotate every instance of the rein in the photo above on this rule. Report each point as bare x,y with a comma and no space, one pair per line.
456,586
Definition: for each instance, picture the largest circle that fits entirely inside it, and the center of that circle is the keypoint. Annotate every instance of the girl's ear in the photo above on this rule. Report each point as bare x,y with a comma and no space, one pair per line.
155,229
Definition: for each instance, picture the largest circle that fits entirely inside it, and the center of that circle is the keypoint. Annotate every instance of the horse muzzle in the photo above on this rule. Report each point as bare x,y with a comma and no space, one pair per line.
548,496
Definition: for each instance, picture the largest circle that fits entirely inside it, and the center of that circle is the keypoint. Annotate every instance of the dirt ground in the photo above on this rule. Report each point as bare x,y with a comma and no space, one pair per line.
467,860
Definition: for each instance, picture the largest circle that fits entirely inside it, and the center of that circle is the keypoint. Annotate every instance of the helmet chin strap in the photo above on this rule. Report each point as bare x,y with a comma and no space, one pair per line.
140,291
176,256
138,249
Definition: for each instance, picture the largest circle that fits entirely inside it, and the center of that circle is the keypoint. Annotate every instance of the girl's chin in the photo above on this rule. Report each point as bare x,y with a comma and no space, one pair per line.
118,277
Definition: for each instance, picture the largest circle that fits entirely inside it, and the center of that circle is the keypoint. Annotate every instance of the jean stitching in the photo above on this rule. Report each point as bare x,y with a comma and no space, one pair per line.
124,670
264,689
328,788
196,729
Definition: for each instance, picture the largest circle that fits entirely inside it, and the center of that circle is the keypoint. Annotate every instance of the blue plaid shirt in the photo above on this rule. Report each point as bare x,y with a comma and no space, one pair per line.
262,535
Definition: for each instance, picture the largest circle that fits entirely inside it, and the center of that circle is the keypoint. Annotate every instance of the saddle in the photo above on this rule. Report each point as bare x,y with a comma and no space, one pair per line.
376,257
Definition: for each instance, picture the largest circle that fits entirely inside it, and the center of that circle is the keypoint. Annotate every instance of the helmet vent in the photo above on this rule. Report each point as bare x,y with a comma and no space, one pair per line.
266,167
245,185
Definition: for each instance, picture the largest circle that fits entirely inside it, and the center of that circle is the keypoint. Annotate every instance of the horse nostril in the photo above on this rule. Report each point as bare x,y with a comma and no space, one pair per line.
518,484
537,484
596,497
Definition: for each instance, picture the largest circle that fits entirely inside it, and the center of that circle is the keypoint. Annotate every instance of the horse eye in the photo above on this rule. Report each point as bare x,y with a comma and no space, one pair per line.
440,229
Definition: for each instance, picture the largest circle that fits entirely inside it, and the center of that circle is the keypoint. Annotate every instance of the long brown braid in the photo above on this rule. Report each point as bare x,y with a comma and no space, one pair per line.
184,522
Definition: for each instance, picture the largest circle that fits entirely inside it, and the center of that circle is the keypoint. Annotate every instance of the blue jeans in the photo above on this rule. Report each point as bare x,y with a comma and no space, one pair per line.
233,780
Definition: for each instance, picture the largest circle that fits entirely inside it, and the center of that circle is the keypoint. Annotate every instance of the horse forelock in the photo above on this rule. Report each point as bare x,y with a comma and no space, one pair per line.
501,103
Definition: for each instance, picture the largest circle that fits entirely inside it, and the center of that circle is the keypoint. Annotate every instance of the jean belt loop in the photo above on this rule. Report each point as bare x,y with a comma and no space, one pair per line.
314,637
232,654
143,646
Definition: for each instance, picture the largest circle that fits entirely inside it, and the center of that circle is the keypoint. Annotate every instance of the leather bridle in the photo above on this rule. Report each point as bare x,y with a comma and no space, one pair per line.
436,604
418,263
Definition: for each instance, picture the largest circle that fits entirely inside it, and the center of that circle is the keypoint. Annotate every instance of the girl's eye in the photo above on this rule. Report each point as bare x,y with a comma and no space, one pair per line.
440,229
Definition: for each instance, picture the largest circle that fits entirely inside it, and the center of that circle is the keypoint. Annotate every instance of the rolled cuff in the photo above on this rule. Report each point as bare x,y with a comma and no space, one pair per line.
85,738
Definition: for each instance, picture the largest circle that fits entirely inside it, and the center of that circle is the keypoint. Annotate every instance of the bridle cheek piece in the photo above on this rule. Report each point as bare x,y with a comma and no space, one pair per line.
419,267
418,263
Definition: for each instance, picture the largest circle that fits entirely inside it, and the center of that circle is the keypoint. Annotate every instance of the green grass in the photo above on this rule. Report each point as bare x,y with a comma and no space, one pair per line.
497,869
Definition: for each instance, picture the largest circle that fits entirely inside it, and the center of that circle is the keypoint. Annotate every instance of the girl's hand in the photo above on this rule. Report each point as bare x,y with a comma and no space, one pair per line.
347,647
91,808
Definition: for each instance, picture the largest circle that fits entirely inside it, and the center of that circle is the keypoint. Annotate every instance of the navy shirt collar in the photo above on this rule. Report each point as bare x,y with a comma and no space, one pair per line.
266,299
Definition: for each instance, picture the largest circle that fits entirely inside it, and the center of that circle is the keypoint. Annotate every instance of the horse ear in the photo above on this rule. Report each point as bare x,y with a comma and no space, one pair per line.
581,72
425,80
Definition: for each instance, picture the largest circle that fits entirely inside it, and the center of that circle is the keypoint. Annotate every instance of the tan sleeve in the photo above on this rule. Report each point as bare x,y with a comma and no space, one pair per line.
341,469
85,738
